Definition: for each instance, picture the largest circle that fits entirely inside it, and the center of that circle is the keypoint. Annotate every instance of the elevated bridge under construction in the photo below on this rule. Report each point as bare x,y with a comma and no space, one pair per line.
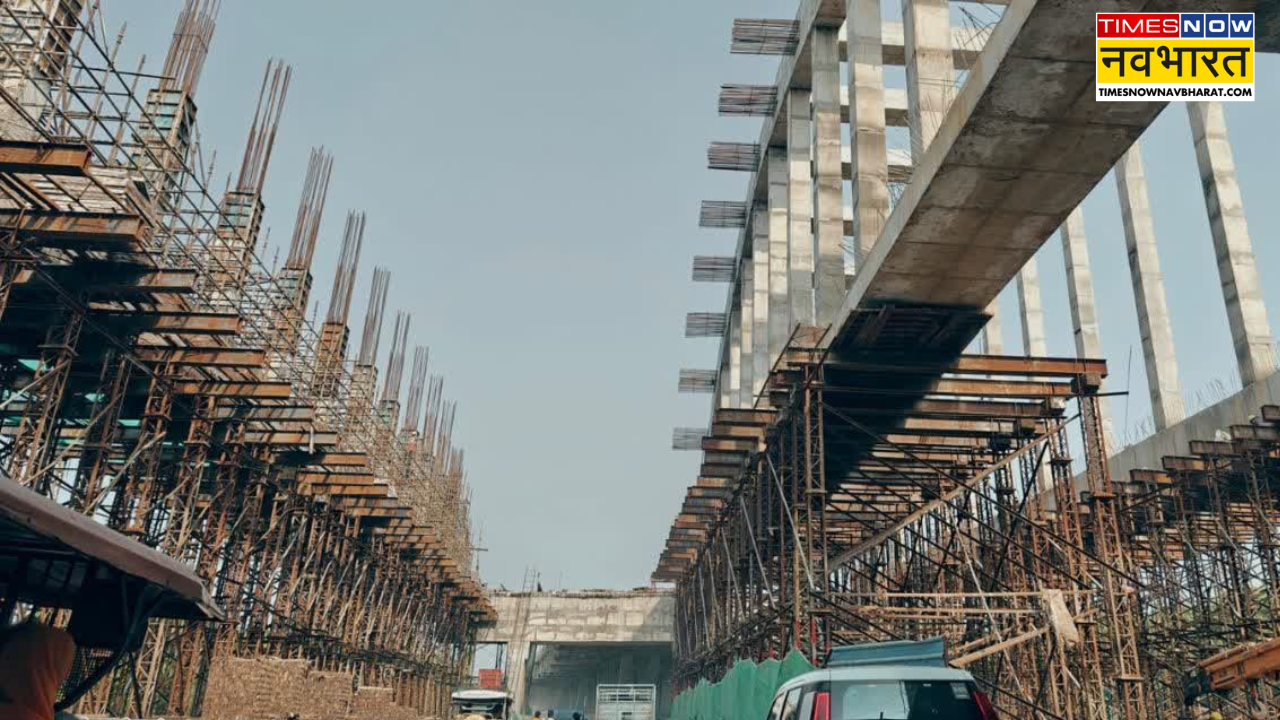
863,477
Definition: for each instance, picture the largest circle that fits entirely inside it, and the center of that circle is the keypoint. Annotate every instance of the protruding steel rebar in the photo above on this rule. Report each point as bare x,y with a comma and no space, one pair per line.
189,48
723,214
697,381
744,157
344,277
753,36
748,100
713,268
315,190
705,324
373,318
266,123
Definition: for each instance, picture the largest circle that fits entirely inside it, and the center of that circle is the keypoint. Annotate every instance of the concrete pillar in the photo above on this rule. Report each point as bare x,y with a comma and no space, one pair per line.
1084,315
734,359
746,320
779,299
993,332
760,358
828,178
1148,288
867,143
800,205
518,673
930,69
1033,338
1237,268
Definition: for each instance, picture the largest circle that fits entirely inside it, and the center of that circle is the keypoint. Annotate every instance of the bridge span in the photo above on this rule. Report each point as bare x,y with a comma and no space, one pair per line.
558,646
862,478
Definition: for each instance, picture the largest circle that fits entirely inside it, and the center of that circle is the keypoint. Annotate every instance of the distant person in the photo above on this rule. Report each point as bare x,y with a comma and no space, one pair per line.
537,714
577,715
551,715
34,662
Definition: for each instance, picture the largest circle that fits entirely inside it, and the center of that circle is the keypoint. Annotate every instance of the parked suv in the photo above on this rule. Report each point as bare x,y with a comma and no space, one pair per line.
884,681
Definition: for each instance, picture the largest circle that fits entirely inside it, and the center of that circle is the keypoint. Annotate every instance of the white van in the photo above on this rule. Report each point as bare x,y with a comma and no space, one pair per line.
885,681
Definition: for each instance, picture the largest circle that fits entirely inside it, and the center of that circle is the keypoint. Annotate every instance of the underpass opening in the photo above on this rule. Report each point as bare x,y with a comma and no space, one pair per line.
566,677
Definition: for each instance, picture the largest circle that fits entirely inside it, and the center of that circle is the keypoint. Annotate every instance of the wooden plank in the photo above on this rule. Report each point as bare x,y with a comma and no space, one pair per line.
256,390
311,476
976,364
207,357
342,459
291,438
376,490
38,158
73,230
146,282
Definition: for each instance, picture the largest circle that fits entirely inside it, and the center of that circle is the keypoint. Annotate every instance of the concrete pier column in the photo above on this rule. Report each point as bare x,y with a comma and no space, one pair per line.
1237,268
1148,289
1033,337
867,142
1084,314
779,299
746,324
734,359
800,205
828,179
930,69
760,360
722,383
993,331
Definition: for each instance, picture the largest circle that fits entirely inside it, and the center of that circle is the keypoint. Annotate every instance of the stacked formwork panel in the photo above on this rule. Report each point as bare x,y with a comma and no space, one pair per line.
159,378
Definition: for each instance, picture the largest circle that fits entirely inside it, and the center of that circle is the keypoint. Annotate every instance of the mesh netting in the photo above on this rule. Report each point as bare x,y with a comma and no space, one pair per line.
746,691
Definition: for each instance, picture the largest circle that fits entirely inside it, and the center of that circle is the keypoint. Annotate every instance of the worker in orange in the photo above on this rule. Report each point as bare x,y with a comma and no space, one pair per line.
34,662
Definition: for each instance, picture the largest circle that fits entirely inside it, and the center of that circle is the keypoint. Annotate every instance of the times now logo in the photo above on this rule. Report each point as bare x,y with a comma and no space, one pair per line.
1175,25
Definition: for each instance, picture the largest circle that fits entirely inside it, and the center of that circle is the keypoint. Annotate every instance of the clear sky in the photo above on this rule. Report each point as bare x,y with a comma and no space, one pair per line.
532,173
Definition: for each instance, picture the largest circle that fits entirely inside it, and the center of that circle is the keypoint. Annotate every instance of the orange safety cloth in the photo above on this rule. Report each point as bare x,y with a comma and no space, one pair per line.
34,661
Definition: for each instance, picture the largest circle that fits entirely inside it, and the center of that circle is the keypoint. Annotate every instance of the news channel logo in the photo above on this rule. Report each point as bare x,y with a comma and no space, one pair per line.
1144,57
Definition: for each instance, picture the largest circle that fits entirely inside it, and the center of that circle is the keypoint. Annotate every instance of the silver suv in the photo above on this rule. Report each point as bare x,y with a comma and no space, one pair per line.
884,681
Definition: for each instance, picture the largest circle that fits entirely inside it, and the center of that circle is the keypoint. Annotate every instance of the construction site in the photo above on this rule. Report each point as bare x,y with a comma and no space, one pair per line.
163,380
877,466
294,514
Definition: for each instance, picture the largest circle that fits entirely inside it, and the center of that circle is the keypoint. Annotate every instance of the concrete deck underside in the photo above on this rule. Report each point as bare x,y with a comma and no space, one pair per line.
1022,146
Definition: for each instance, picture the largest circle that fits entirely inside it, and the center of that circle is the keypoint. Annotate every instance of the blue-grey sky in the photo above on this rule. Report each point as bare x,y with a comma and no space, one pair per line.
532,173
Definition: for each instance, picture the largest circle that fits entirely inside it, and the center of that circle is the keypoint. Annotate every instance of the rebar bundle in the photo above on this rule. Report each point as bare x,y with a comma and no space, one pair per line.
705,324
372,335
266,124
417,387
306,228
190,46
395,364
685,439
744,157
723,214
748,100
697,381
714,268
344,277
764,37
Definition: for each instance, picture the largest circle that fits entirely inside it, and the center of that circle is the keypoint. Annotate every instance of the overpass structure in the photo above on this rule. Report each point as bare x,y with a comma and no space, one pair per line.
864,479
559,646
